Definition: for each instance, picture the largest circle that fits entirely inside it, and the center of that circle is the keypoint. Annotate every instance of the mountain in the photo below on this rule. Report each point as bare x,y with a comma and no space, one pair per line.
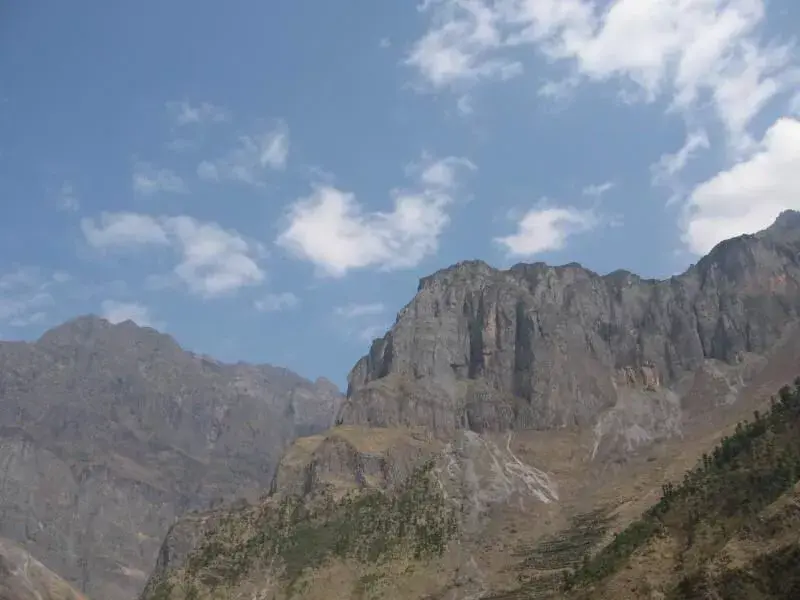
22,577
505,428
108,433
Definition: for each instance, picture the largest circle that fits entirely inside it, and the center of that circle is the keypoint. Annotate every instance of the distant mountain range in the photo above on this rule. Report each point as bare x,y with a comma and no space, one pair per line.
108,433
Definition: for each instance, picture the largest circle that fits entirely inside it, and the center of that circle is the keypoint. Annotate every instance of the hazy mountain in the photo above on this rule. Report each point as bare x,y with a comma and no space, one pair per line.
110,432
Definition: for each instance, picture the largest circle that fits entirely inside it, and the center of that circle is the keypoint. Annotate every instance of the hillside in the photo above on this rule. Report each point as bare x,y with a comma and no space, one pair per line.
507,425
108,433
22,577
730,529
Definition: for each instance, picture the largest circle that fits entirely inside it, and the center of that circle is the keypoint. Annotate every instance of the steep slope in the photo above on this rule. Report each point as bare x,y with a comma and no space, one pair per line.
546,347
505,427
22,577
110,432
730,529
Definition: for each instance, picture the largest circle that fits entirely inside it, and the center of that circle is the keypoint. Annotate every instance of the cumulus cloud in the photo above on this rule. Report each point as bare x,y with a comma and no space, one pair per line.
276,302
117,312
212,260
184,113
750,195
546,228
332,230
692,52
147,180
249,161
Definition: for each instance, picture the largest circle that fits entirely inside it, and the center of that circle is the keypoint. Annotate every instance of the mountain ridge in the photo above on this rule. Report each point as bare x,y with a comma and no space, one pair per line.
626,383
111,431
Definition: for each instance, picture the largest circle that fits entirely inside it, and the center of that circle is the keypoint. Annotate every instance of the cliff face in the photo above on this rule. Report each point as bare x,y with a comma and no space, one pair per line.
108,433
548,347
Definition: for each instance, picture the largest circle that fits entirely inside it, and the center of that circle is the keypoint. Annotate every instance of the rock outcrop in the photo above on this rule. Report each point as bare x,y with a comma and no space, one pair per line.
546,347
108,433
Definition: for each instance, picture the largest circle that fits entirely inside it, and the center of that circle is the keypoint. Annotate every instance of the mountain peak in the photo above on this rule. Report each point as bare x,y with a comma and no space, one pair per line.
91,328
786,220
459,270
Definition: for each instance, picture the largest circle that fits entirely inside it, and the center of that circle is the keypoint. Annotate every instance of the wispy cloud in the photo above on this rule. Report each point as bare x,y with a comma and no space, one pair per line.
148,180
597,190
185,113
254,156
362,321
276,302
26,295
697,53
68,198
352,311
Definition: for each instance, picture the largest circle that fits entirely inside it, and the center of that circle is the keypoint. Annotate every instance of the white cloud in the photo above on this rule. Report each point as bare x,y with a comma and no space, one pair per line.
694,52
124,229
117,312
213,261
248,162
147,180
68,198
26,293
330,229
185,113
546,228
353,311
443,173
276,302
750,195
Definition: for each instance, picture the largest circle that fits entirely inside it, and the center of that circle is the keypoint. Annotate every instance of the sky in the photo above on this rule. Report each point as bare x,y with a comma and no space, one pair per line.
269,180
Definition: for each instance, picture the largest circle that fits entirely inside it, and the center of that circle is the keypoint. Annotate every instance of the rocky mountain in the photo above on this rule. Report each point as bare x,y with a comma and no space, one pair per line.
108,433
22,577
505,429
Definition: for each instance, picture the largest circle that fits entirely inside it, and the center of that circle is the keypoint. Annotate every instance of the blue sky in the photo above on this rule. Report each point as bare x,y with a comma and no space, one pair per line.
268,182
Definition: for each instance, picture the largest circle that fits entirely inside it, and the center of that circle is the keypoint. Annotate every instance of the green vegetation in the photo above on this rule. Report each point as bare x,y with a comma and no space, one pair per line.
723,495
367,526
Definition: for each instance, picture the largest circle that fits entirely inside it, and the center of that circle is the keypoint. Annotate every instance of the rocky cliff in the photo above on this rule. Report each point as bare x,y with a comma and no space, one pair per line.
506,427
541,347
108,433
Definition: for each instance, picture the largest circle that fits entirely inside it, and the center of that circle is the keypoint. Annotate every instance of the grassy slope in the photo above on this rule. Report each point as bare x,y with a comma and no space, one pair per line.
739,500
289,539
